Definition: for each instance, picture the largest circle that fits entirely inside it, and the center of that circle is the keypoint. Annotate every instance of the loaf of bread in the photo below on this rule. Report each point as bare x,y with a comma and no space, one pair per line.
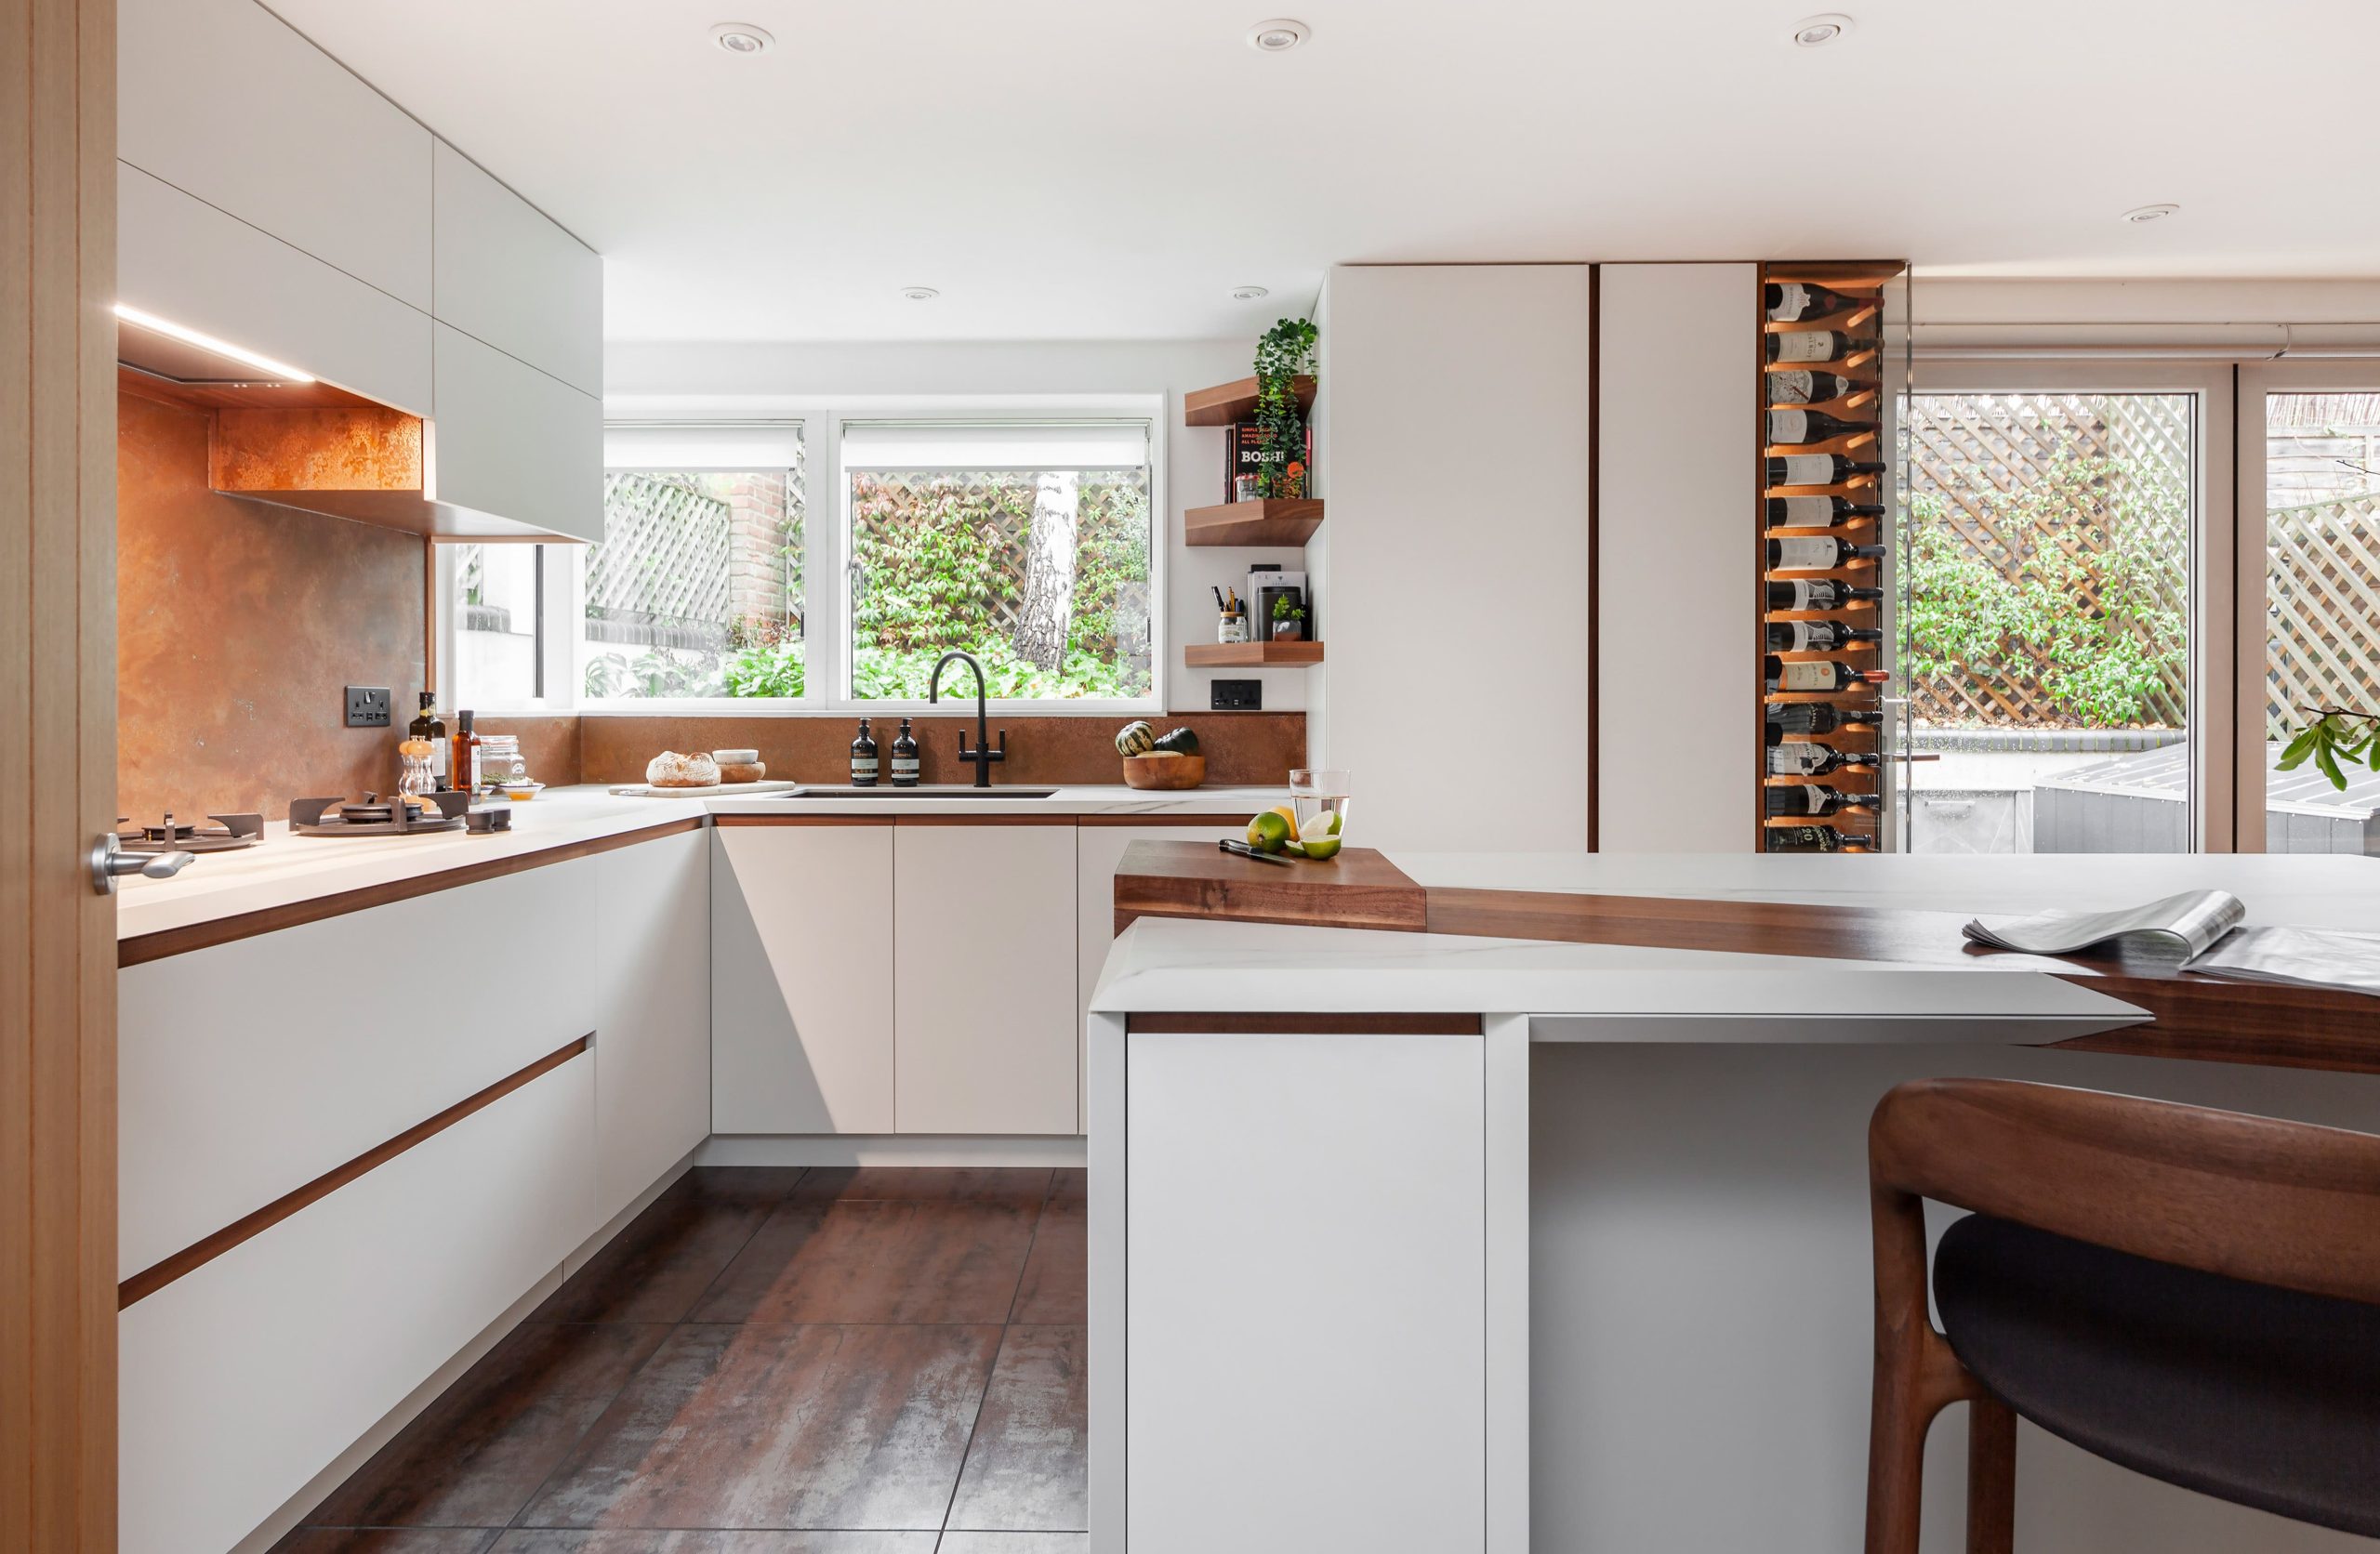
670,769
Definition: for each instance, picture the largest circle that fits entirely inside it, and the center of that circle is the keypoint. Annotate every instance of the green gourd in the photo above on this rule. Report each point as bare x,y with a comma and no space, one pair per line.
1177,742
1135,739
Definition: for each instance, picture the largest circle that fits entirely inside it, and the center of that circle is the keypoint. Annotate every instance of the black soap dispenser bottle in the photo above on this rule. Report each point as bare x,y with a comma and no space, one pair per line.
863,759
904,758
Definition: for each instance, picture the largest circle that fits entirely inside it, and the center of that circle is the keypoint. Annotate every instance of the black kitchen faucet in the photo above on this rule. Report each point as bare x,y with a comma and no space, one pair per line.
983,755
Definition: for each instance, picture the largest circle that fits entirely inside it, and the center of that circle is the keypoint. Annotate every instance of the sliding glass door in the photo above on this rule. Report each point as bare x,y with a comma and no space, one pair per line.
2050,642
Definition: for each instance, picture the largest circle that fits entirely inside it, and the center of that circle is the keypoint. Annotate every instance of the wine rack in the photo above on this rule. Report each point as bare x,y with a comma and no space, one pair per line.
1824,396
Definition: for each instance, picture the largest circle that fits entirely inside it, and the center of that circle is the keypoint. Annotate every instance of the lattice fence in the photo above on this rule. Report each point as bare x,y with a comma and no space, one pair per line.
660,576
2086,493
2322,603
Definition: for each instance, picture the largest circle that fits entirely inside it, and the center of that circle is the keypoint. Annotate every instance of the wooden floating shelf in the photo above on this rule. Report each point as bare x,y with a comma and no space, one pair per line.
1251,655
1274,520
1229,403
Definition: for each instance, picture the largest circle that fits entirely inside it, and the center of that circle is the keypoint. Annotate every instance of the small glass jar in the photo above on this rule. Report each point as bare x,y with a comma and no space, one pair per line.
1231,628
501,760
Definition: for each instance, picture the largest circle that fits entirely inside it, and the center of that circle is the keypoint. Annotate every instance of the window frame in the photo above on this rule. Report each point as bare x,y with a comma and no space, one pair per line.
2215,754
558,603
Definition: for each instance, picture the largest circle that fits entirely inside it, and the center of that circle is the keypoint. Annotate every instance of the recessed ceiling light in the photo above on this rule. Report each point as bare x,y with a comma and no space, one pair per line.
189,336
1249,293
1278,36
920,294
1817,32
2142,215
742,37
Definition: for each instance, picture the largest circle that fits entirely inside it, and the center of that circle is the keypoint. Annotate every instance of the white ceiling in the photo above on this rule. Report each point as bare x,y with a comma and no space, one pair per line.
1111,169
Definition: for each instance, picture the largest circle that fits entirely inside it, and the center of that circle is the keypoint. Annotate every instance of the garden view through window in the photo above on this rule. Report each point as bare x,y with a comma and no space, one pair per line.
2047,628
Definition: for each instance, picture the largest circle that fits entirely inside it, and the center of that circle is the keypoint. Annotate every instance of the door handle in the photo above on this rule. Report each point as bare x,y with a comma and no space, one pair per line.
110,862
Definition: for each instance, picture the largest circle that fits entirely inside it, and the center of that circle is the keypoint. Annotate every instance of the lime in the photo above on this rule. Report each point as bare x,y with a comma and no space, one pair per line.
1324,824
1321,847
1268,832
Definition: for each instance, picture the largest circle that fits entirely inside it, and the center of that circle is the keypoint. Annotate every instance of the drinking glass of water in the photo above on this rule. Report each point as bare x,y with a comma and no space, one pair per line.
1318,795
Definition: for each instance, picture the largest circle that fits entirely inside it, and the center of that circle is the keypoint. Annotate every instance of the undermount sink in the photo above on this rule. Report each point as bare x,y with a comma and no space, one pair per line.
924,790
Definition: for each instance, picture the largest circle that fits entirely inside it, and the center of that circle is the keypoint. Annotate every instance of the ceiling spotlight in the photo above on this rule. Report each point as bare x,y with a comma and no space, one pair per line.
1278,36
741,37
1249,293
920,294
1817,32
2142,215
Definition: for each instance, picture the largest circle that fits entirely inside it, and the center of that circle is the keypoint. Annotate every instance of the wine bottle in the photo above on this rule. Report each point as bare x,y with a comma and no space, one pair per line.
1821,675
863,759
1819,593
904,758
1818,717
1791,301
1803,386
1811,347
1818,553
1802,758
1810,426
1808,799
1815,469
1816,636
427,726
1817,512
1818,839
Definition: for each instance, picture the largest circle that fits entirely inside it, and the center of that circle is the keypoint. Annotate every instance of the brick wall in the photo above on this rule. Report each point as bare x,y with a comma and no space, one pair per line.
756,540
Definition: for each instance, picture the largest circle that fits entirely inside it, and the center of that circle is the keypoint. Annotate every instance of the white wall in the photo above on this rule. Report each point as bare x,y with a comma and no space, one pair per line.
1456,601
643,380
1674,696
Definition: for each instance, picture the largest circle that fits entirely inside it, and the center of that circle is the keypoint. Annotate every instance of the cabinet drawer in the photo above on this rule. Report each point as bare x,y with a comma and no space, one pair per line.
186,262
243,1379
248,1069
512,278
223,100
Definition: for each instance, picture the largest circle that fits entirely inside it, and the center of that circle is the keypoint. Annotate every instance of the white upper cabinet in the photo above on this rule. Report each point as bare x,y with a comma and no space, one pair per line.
182,260
225,101
513,279
509,439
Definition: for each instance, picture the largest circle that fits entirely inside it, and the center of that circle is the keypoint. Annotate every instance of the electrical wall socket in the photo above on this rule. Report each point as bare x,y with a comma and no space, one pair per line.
367,706
1239,696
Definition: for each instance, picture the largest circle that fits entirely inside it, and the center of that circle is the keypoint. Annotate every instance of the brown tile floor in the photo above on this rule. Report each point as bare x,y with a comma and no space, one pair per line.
862,1361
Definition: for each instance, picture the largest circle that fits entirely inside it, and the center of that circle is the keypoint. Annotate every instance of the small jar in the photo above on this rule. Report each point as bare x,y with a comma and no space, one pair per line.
1247,488
1231,628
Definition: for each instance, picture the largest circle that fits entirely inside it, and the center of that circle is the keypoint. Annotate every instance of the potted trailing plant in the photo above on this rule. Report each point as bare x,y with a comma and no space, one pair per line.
1289,621
1283,352
2336,735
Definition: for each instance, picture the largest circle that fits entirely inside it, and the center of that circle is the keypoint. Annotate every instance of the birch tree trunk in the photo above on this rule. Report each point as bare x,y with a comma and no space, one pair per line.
1049,572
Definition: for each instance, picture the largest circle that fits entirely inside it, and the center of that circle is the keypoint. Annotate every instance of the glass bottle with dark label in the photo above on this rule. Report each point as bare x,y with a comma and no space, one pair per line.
1819,593
1806,386
427,726
1791,301
463,759
1816,636
863,759
1818,717
1808,799
904,758
1803,758
1818,839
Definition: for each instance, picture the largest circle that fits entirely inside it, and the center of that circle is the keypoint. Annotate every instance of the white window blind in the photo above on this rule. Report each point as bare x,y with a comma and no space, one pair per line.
695,446
995,444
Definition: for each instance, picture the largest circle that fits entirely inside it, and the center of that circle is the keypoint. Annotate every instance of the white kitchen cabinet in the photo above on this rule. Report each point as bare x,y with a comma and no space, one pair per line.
509,439
1241,1290
227,102
242,1380
510,276
247,1070
1098,849
189,263
652,967
986,1021
802,978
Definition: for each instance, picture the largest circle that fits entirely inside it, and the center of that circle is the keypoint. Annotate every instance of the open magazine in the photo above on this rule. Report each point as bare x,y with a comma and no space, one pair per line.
2202,930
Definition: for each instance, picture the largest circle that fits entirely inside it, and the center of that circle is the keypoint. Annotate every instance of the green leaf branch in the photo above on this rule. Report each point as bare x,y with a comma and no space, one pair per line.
2338,738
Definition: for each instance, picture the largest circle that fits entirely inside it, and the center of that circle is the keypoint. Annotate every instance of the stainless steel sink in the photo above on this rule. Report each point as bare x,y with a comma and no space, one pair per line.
924,790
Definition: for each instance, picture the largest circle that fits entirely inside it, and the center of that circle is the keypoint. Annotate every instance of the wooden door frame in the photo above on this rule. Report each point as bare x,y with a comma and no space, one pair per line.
58,1399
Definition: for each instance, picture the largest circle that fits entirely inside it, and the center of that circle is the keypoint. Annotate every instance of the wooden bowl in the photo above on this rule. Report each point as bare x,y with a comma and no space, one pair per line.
1161,770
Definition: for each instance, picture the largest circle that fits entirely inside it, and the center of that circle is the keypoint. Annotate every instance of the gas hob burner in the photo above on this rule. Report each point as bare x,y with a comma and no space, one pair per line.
171,836
375,816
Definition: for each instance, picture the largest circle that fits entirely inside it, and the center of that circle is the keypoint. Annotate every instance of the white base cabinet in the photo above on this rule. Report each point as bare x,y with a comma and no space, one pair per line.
652,1012
802,978
984,1017
243,1379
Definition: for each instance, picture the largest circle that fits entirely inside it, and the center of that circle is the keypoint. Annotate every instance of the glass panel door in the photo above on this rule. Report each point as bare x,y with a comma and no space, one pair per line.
2321,483
2047,580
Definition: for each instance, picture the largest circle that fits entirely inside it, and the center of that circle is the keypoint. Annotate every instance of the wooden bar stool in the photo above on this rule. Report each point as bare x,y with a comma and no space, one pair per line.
2192,1294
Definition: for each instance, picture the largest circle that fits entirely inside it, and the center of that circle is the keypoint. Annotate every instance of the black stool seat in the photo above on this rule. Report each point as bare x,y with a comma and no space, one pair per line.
2262,1396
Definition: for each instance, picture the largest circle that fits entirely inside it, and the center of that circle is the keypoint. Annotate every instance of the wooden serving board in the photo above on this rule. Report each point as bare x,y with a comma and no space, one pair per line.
716,790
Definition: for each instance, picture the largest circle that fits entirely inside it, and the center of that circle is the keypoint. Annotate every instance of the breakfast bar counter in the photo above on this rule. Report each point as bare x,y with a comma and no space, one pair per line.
1551,1231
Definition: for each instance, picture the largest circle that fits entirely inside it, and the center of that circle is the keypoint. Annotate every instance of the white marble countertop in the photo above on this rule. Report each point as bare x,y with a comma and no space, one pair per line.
285,870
